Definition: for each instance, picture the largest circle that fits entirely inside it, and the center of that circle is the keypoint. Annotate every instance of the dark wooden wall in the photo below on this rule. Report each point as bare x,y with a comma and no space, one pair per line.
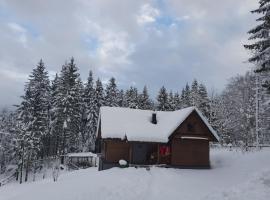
116,150
189,153
193,126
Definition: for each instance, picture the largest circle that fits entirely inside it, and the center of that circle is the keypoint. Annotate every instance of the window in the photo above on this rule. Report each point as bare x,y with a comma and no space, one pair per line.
190,127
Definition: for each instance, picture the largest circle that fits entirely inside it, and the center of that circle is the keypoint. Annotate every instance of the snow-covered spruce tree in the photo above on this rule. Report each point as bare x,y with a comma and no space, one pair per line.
131,97
194,94
185,97
7,138
203,102
121,99
144,100
99,101
39,85
56,113
99,95
90,114
111,93
80,91
34,114
27,141
171,102
24,136
162,99
69,106
177,101
261,46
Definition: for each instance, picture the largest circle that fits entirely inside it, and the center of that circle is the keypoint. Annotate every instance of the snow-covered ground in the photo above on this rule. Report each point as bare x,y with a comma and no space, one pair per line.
234,176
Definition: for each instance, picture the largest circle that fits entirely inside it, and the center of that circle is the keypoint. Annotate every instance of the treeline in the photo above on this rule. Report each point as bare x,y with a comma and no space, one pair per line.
60,116
233,112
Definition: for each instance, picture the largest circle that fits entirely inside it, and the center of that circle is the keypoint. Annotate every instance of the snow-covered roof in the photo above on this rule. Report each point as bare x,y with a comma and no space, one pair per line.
82,154
135,124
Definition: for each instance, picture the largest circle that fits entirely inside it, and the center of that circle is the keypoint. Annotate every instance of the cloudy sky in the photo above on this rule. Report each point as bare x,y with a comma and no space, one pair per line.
155,42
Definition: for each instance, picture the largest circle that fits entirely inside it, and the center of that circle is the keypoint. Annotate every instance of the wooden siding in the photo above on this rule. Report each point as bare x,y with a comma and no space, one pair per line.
193,126
190,152
116,150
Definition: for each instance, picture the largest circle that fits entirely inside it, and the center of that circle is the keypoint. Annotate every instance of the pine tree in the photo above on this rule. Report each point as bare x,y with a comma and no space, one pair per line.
81,113
56,117
131,97
144,100
90,113
194,96
178,102
185,97
111,93
70,106
121,99
203,101
261,47
33,119
99,95
7,141
171,102
34,110
162,100
40,86
25,144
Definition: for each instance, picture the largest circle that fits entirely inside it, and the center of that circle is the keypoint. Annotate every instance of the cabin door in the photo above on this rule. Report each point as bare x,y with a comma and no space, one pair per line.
139,153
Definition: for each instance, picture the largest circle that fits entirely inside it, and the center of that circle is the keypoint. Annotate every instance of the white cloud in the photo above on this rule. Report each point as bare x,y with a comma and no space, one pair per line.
113,49
185,17
16,27
132,44
20,33
9,71
14,75
147,14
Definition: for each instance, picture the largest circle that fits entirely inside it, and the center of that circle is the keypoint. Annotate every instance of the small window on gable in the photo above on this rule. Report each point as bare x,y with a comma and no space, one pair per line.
190,127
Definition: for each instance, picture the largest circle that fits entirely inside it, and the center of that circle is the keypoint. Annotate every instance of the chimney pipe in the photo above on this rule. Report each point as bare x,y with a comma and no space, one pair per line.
154,118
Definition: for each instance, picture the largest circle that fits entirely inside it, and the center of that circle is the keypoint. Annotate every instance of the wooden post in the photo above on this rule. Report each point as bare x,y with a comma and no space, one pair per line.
158,154
130,153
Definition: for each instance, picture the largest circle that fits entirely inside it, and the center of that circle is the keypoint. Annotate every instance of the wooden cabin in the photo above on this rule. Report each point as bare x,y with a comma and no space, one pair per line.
143,137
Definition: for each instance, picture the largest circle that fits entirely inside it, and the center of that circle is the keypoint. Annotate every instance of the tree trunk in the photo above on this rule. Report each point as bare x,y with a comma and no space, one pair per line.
22,163
27,168
57,145
64,143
